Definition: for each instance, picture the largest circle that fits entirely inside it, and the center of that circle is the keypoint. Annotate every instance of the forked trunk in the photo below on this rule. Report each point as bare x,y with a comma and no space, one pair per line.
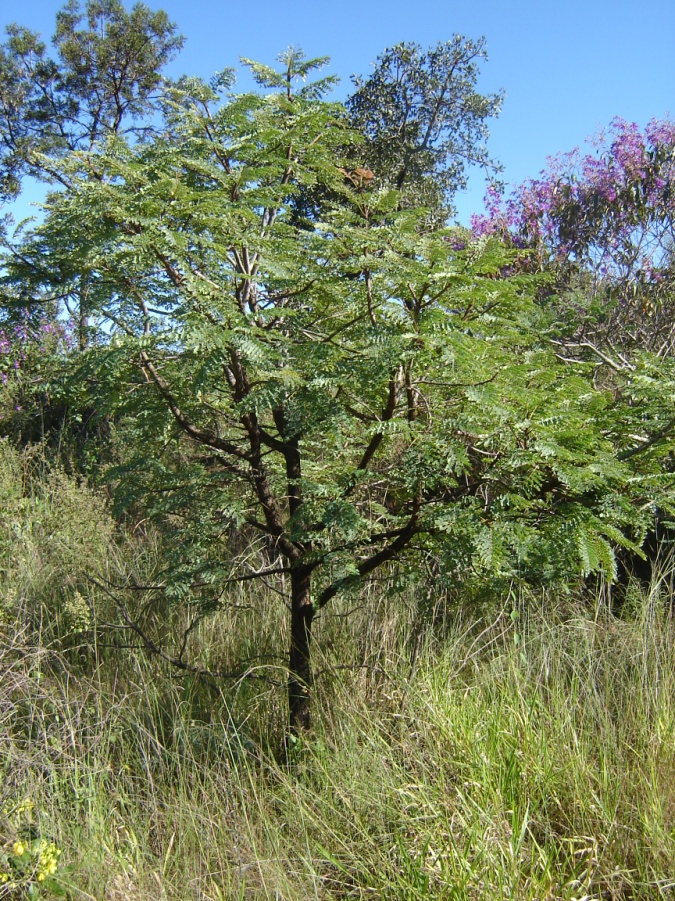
299,664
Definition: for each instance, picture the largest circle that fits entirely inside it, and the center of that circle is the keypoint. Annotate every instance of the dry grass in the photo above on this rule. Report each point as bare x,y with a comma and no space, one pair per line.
527,756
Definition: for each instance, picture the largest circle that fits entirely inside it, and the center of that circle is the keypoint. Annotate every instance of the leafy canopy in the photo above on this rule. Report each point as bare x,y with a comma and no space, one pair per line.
424,121
350,392
106,78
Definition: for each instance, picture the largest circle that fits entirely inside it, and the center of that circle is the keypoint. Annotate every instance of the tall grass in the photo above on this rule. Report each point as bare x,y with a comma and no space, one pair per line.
526,756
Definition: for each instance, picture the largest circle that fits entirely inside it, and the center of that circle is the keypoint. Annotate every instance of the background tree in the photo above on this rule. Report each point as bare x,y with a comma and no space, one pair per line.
106,79
424,121
604,225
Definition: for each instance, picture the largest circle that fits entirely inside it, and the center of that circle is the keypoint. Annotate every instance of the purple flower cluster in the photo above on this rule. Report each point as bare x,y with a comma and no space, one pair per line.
606,207
22,340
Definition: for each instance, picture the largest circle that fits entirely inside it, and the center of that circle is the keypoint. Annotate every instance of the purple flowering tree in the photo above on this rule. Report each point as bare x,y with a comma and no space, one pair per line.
31,348
604,222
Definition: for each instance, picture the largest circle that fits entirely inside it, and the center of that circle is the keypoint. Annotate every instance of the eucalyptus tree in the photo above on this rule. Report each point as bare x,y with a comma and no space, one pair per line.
344,393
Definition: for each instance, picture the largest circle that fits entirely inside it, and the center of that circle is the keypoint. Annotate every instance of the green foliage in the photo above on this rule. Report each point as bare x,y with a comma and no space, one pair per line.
525,754
490,445
28,865
424,122
55,534
105,79
296,68
328,403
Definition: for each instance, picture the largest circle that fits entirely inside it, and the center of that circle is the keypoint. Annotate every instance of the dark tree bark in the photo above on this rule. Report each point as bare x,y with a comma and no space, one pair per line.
299,664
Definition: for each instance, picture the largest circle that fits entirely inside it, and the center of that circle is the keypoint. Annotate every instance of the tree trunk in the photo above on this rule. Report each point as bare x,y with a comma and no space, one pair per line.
299,665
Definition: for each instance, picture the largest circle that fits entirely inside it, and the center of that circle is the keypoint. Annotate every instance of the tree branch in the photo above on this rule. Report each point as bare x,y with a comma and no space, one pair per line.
382,556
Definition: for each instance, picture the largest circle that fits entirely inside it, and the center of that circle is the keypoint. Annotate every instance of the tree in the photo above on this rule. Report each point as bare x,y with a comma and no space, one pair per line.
345,394
604,224
106,79
424,122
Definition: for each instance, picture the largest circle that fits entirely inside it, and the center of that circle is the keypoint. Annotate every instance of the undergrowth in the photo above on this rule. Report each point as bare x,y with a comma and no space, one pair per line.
524,754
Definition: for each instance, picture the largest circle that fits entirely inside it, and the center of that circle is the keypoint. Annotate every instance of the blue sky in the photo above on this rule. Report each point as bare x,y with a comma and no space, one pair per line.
567,68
